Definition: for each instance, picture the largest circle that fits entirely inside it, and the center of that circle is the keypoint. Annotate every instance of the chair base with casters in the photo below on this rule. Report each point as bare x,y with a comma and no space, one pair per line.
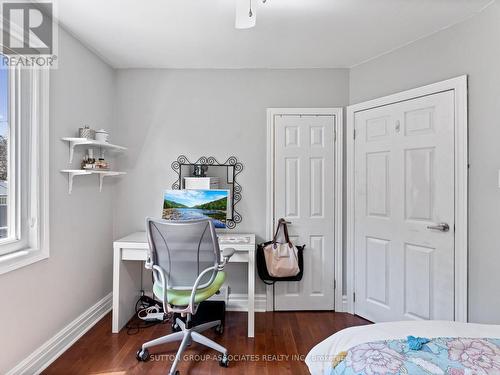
187,336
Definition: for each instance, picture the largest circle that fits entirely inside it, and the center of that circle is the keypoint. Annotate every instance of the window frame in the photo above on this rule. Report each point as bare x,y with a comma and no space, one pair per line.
28,239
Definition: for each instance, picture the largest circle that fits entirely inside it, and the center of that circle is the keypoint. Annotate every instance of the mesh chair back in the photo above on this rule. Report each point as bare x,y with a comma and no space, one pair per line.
184,249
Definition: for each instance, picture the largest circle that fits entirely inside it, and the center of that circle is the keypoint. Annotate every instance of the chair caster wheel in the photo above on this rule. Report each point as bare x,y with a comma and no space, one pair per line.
219,329
142,355
224,362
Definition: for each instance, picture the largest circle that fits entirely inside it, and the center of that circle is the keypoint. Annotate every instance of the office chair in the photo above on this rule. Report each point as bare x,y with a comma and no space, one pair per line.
186,263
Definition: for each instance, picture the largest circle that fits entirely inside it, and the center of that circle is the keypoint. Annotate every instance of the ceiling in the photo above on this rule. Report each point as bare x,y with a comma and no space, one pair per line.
288,34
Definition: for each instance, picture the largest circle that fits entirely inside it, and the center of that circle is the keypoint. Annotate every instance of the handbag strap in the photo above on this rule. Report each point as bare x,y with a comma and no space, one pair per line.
277,231
282,223
287,238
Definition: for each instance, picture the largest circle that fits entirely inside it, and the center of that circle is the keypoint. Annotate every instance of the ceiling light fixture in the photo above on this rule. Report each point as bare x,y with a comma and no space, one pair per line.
245,14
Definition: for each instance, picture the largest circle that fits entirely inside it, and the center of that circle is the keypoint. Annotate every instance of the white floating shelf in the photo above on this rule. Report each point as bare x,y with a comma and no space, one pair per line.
82,172
74,141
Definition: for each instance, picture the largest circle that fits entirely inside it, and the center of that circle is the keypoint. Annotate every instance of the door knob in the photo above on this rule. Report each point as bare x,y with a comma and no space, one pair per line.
443,227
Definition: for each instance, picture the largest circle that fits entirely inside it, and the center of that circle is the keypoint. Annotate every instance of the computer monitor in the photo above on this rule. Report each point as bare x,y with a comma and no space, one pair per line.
196,204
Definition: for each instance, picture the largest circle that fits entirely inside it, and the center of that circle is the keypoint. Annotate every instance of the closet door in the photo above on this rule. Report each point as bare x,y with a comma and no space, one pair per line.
404,210
304,186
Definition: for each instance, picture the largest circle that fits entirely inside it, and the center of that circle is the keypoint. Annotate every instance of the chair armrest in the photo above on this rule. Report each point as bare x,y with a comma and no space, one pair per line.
227,253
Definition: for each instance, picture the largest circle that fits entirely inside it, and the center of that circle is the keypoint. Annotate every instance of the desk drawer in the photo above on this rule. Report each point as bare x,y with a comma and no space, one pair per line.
134,254
238,248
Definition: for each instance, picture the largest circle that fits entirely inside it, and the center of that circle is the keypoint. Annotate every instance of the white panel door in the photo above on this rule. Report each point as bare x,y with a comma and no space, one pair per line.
304,185
404,186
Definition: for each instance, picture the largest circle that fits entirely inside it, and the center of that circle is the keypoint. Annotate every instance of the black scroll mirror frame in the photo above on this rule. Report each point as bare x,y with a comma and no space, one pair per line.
231,163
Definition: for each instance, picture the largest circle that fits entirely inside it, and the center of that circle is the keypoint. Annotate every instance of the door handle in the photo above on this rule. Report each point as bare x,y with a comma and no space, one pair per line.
443,227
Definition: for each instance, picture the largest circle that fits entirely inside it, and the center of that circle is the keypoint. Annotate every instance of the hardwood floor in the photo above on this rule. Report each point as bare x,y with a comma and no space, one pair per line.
282,339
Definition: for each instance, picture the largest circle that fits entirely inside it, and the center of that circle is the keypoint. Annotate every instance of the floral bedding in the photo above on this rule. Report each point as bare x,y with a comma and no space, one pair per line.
444,355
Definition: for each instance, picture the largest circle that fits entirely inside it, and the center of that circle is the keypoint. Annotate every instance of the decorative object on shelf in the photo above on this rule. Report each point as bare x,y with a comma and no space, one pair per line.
101,135
101,165
230,169
90,162
86,132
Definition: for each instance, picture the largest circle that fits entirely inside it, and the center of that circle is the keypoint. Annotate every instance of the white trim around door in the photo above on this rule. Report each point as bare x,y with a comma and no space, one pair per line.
338,189
459,87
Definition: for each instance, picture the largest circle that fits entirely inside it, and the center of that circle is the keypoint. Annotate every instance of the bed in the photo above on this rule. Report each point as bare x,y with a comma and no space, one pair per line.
448,341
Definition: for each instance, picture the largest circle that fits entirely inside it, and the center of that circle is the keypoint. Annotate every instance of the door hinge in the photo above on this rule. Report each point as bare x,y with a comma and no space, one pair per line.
334,135
334,284
354,134
354,297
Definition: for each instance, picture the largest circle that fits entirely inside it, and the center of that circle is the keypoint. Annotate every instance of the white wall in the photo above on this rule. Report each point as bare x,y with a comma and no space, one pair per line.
40,299
162,114
472,48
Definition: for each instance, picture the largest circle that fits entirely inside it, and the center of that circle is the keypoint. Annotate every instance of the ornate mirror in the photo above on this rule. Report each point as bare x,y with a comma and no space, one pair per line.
208,173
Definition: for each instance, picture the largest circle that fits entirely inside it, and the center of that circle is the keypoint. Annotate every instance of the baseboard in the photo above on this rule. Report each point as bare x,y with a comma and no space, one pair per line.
41,358
239,302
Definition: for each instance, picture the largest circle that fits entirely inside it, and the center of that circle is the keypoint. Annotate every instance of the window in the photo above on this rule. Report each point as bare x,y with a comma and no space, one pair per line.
23,166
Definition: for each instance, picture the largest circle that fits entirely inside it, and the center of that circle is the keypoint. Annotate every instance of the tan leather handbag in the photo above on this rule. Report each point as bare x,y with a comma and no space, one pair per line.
281,258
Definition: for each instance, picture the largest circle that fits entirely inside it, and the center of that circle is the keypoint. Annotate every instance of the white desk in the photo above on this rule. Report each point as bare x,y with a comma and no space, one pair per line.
131,251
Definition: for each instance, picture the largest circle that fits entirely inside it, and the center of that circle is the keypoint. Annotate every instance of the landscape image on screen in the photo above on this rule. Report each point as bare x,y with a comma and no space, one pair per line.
196,204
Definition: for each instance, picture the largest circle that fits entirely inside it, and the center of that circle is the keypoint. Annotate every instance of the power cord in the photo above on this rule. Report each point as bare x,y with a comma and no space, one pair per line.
149,312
